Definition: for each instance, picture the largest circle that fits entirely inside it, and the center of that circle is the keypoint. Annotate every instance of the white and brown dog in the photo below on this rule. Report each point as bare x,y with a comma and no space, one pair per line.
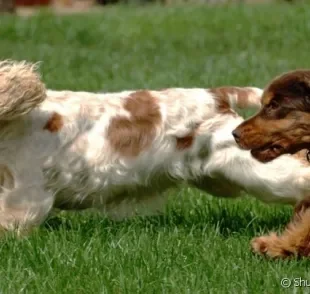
119,151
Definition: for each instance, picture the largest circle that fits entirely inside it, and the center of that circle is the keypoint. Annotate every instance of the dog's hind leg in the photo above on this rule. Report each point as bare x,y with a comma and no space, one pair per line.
24,208
294,241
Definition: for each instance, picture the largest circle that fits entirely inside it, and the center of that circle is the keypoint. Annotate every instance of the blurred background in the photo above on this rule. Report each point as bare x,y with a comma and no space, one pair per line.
11,6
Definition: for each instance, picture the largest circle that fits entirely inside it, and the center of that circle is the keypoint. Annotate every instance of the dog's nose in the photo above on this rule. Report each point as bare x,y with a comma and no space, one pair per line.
236,134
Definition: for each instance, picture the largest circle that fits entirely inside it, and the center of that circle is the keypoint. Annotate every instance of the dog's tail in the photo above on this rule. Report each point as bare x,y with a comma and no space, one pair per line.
237,98
21,89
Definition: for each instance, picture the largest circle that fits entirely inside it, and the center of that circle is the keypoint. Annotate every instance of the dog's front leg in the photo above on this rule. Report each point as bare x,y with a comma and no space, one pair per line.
294,241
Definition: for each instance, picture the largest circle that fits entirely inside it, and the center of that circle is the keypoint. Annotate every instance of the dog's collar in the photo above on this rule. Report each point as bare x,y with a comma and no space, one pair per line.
308,155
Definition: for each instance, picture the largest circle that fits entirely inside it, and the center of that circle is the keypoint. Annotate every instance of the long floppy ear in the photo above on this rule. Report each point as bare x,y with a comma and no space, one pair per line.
299,88
293,88
299,95
296,100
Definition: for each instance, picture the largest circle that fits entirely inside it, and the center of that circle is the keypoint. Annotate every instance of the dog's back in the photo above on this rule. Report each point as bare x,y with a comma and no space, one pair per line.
134,133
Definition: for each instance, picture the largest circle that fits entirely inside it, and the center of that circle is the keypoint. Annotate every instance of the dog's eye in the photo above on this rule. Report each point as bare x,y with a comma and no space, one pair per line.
273,104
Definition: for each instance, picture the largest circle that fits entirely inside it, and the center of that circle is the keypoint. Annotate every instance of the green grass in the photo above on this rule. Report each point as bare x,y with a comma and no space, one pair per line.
201,245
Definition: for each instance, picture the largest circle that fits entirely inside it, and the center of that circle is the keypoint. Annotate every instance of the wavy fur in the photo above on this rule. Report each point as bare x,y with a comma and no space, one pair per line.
21,89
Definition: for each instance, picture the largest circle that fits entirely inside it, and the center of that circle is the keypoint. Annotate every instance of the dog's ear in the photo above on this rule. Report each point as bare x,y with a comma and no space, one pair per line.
301,91
296,92
299,88
294,83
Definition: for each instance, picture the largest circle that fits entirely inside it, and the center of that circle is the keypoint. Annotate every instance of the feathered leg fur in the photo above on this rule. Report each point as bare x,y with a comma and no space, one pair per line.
293,242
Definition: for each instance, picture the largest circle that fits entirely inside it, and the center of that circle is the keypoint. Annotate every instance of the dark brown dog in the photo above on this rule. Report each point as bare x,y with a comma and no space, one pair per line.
283,123
282,126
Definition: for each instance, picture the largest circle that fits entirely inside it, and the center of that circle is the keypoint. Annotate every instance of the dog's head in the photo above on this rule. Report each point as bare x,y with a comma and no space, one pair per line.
283,123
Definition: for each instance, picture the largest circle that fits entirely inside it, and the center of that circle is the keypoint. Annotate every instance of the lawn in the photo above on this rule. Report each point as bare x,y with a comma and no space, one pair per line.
201,244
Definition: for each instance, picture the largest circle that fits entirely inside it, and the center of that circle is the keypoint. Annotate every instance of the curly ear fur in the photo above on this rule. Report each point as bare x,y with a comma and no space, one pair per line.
21,89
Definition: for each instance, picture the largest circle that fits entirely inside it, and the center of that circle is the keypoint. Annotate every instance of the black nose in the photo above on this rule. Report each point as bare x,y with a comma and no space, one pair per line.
236,135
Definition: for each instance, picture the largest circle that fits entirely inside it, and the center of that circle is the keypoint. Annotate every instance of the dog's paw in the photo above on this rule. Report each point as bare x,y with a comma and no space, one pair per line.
259,245
262,245
271,246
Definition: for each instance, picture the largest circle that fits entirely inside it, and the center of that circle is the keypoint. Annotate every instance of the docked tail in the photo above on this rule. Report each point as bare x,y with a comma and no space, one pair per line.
21,89
237,98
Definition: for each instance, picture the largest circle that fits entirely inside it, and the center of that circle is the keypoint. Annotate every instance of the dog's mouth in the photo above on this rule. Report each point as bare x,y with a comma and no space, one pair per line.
268,152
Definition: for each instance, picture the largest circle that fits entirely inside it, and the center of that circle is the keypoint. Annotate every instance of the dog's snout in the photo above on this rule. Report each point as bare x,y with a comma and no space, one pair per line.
236,134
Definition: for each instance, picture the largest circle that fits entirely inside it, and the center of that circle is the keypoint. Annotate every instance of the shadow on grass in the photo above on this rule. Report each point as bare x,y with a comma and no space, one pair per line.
226,220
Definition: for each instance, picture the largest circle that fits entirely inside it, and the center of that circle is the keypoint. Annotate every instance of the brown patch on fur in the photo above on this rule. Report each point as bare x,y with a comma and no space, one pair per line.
240,95
222,99
185,142
55,123
282,125
130,136
294,241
